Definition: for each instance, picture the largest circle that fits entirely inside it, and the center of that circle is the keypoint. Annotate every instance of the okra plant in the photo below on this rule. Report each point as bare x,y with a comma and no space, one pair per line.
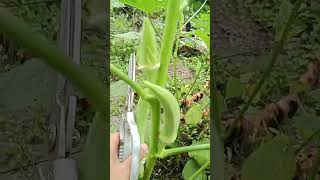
152,61
154,64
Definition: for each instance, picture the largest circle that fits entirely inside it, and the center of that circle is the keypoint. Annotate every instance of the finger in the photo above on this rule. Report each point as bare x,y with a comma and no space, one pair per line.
143,151
114,146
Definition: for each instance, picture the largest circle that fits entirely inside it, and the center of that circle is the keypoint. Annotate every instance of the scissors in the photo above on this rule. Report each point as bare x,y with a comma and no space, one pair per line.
129,135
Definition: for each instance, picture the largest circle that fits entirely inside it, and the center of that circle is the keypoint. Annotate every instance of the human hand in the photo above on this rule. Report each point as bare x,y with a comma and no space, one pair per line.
121,170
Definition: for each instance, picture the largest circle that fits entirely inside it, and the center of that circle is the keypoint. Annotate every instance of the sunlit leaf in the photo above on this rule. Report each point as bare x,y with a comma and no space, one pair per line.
201,156
148,6
116,4
204,36
128,35
190,168
194,115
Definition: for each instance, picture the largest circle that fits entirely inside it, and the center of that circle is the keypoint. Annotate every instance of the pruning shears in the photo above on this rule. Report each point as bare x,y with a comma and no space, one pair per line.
129,135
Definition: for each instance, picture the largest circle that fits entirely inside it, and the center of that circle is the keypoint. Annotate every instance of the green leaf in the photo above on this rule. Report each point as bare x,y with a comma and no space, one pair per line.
205,101
273,160
116,4
234,88
204,36
148,6
307,121
190,168
201,156
194,115
128,35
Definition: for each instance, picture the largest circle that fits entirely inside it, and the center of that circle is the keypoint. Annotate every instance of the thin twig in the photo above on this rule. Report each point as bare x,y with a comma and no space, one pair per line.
194,82
193,15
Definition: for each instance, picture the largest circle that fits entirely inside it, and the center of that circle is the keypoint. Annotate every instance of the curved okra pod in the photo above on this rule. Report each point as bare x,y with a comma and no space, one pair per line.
141,115
171,113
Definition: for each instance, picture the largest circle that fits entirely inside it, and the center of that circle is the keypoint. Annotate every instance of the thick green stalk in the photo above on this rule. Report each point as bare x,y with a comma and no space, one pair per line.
154,139
155,126
170,29
196,174
149,167
49,54
96,152
275,54
169,152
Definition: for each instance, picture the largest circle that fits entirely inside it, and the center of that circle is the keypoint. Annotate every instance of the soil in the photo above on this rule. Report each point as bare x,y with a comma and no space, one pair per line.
236,36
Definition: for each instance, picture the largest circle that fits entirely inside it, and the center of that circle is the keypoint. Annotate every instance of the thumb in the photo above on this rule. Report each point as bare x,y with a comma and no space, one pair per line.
143,152
114,146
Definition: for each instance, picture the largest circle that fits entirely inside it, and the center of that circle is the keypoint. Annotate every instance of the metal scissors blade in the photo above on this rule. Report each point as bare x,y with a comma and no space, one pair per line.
129,135
132,76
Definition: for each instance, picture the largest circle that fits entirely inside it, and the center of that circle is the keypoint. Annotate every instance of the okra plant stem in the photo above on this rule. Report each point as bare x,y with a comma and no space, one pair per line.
154,139
170,29
169,152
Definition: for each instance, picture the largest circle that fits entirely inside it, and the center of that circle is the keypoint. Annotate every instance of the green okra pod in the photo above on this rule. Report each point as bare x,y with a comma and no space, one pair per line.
171,113
148,53
142,113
